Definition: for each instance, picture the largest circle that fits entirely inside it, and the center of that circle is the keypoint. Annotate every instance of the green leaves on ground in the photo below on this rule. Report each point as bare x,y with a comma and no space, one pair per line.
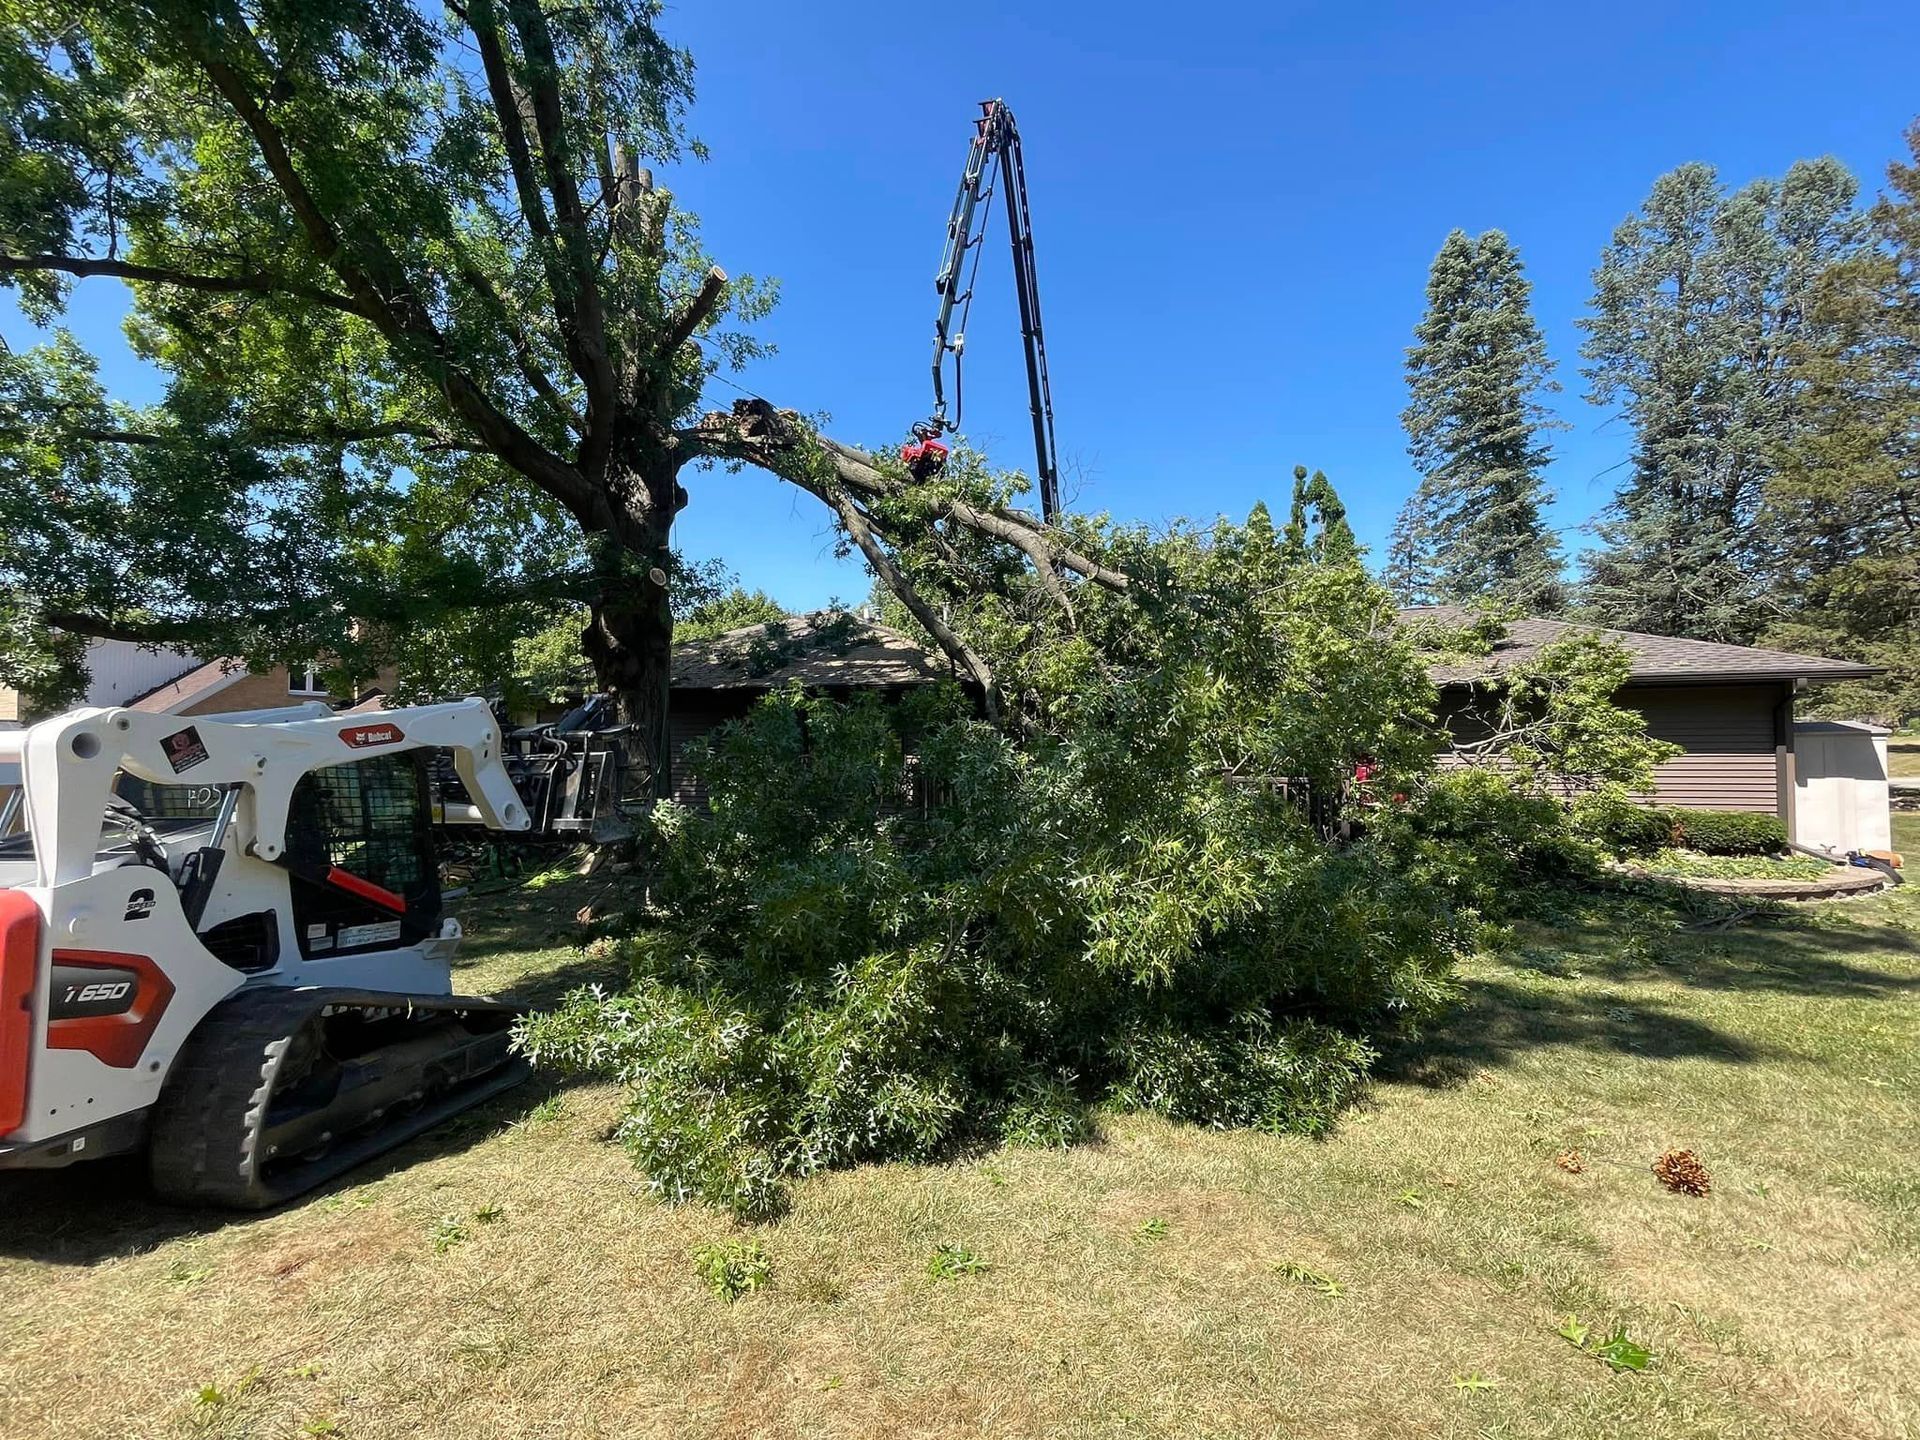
732,1268
950,1262
1303,1275
1618,1350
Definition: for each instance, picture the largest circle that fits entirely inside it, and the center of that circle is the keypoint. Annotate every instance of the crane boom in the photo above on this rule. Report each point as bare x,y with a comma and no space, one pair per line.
994,160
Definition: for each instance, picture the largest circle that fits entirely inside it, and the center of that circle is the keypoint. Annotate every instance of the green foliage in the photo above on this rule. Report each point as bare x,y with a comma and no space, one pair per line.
1305,1275
1619,826
950,1262
1476,837
732,1268
1472,530
1700,303
1618,1351
1730,832
1548,724
896,929
732,610
1689,865
1844,507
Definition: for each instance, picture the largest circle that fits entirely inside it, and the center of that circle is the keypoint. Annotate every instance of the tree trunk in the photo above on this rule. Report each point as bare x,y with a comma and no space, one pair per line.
629,634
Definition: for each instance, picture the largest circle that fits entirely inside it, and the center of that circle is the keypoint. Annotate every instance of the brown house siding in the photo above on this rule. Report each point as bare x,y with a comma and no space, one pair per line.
9,706
693,716
1727,733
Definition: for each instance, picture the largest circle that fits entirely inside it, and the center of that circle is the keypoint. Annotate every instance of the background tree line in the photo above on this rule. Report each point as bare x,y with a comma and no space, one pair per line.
1763,343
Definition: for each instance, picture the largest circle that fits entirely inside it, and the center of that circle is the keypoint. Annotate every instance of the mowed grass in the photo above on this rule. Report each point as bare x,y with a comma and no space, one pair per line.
1903,756
512,1277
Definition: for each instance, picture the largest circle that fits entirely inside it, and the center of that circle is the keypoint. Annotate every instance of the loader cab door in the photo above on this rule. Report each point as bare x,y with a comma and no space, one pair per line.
360,849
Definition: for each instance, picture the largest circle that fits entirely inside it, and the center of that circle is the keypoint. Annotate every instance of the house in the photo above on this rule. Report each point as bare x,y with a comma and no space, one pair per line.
1730,709
718,680
170,682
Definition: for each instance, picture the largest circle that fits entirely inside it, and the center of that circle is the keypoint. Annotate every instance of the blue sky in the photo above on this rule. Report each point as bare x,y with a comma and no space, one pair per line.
1234,208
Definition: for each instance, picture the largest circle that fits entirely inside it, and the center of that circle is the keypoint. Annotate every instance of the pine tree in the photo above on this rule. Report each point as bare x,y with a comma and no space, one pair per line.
1845,504
1328,539
1472,530
1699,303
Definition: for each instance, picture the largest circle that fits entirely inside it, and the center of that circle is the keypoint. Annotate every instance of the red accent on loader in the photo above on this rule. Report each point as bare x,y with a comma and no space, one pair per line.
367,890
19,967
116,1040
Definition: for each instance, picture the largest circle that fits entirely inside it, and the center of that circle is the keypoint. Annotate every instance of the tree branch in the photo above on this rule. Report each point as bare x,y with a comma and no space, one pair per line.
394,306
523,357
957,649
761,435
137,632
597,373
261,282
680,329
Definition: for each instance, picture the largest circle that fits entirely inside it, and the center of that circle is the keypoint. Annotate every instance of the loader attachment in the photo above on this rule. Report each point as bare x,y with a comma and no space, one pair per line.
573,775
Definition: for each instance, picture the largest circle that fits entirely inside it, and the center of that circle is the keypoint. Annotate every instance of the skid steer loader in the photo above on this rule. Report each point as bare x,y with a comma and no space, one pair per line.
222,943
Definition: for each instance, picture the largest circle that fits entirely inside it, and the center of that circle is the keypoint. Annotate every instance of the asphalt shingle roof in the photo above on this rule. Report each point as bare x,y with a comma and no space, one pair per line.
1657,659
812,650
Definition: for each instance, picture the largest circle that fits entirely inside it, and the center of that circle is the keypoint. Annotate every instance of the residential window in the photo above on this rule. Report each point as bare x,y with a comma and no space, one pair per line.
305,682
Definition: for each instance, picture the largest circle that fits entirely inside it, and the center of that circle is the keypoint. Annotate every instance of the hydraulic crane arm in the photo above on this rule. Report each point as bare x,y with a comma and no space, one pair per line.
994,161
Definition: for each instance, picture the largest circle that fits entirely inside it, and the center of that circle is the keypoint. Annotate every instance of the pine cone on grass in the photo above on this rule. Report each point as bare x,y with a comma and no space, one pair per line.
1682,1172
1570,1161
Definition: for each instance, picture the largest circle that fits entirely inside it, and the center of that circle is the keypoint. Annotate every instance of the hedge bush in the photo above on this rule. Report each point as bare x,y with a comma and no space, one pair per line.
1730,832
1620,826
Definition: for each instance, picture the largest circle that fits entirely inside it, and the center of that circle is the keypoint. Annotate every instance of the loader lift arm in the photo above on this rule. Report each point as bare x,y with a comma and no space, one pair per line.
994,161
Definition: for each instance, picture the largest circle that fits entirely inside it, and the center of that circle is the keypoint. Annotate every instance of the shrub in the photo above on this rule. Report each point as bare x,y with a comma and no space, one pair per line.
1621,827
1730,832
1471,835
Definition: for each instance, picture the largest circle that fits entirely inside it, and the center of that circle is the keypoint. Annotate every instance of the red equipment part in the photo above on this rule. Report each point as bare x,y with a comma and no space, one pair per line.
19,967
924,458
117,1037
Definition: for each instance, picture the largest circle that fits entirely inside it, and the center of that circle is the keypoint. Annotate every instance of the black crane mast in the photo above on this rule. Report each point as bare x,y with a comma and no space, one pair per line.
994,161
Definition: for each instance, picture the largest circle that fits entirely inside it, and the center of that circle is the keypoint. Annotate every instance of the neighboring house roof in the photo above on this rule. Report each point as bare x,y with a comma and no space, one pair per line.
370,702
821,650
199,683
1657,659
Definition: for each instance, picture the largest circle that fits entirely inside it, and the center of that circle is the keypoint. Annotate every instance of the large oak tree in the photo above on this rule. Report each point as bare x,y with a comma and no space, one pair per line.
435,338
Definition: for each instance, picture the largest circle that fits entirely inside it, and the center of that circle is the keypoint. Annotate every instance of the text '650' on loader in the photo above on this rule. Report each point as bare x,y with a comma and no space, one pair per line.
222,942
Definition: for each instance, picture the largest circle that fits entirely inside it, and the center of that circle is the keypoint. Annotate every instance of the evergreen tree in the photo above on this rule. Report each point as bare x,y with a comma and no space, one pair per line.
1699,304
1329,539
1845,505
1472,528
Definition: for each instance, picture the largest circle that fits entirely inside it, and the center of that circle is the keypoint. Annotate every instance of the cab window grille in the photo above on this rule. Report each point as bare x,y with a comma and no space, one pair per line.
370,819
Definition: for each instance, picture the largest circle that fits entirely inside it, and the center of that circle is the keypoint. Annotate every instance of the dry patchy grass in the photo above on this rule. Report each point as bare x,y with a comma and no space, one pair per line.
1903,755
511,1277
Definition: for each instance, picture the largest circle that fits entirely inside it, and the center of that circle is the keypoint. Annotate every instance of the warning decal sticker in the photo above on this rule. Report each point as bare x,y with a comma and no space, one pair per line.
183,750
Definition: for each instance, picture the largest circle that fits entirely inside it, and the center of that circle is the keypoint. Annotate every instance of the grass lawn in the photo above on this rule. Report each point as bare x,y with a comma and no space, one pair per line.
1903,755
511,1276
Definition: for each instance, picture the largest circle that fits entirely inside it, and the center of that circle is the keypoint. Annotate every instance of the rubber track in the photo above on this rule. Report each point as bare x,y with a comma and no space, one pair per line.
207,1122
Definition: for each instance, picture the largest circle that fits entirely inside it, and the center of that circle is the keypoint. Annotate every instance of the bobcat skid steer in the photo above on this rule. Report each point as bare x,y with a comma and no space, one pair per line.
221,942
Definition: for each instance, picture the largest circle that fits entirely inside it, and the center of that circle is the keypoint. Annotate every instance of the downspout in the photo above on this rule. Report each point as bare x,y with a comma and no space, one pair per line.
1786,780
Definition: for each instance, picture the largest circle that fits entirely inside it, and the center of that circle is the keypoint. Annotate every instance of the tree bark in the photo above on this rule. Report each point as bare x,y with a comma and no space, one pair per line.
629,635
